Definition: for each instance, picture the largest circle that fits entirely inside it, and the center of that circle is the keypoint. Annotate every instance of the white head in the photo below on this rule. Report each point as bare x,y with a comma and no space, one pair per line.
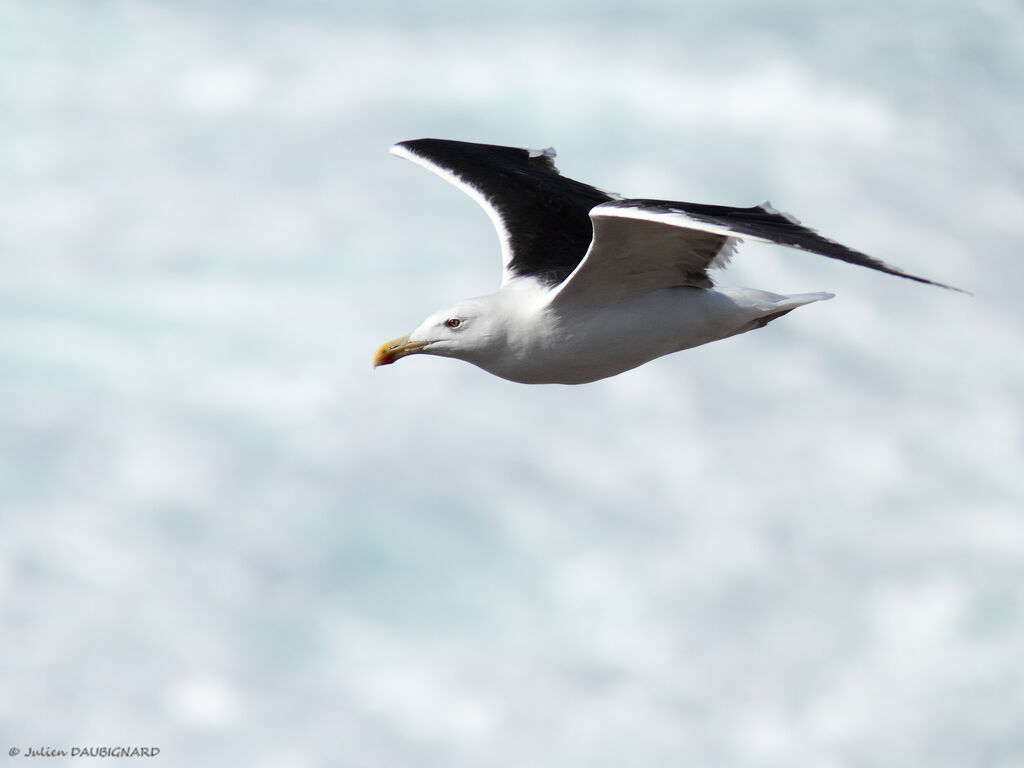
475,330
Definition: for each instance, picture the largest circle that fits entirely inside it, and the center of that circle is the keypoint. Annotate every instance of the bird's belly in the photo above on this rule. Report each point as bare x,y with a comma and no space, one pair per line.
594,343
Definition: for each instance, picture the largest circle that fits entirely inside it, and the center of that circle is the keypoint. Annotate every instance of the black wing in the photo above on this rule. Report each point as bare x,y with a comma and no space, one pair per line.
762,222
542,217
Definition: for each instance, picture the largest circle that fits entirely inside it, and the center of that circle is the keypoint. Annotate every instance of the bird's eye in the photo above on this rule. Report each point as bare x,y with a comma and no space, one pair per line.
453,322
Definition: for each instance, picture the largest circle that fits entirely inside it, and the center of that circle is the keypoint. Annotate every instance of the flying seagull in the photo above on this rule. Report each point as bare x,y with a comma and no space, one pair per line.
595,284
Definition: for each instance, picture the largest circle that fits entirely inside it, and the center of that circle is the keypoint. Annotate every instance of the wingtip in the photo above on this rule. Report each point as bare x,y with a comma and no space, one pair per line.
954,288
926,281
399,149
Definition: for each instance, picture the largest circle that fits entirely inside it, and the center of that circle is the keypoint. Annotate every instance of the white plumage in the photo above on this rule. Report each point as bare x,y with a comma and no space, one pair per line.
594,284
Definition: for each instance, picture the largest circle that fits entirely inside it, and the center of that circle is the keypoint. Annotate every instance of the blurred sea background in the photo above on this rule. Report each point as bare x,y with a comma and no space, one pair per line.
223,535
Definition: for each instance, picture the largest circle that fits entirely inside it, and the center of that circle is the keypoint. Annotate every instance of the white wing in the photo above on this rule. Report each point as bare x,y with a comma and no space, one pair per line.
643,245
637,250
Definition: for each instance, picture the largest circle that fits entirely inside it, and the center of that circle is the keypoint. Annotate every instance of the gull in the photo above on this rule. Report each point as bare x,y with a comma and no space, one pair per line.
594,284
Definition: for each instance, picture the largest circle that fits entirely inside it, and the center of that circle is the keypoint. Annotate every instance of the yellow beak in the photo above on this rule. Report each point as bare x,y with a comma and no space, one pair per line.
394,349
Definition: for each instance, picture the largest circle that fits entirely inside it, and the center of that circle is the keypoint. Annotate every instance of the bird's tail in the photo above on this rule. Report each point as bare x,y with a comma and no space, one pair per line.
771,306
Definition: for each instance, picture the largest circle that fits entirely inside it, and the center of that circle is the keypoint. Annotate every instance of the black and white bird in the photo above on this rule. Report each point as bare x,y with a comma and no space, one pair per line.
595,284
